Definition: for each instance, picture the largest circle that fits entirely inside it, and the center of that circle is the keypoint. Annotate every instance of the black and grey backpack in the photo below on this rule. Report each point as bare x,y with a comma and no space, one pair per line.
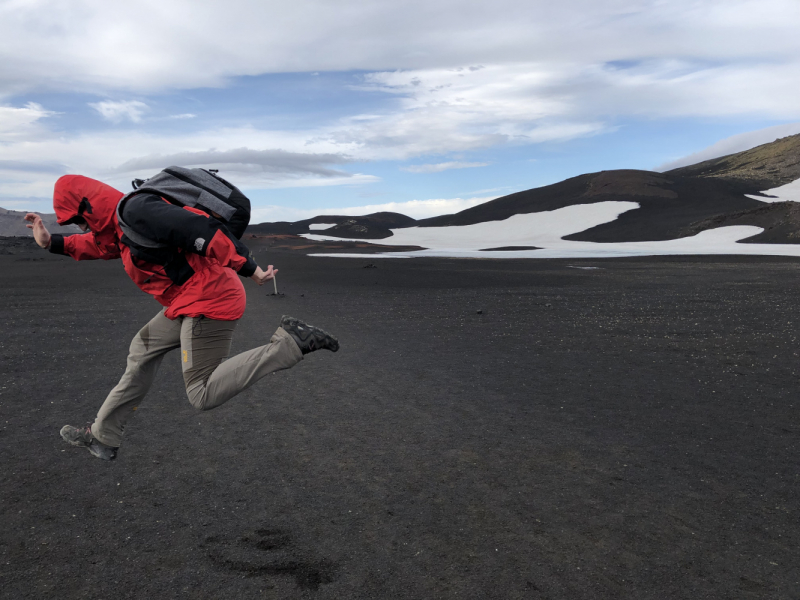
197,188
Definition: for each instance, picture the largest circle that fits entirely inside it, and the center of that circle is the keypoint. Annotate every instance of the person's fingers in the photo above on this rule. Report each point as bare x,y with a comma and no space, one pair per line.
29,226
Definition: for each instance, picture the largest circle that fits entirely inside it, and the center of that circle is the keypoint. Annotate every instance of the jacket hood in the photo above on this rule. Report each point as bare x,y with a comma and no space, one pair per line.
94,201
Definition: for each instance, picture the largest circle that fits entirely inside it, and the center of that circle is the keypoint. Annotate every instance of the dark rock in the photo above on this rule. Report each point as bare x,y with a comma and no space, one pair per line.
509,249
780,221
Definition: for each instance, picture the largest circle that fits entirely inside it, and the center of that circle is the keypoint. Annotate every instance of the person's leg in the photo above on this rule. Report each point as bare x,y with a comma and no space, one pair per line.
147,350
205,343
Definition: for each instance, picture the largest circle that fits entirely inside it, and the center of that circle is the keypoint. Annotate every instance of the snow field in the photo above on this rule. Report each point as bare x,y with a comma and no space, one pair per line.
321,226
785,193
545,230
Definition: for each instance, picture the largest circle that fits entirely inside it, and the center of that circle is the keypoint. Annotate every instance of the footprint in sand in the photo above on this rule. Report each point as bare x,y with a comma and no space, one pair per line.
269,552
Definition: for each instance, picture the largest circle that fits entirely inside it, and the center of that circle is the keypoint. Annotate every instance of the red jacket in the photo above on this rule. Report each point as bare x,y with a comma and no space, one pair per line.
205,282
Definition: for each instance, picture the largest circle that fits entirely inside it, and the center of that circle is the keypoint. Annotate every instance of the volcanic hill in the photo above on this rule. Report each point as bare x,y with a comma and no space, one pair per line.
674,204
13,225
763,167
369,227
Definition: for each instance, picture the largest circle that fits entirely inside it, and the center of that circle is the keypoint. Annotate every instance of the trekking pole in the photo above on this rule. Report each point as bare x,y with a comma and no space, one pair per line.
275,283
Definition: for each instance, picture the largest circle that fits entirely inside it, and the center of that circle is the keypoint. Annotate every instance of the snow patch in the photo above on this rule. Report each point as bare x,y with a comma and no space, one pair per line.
321,226
785,193
545,230
535,229
714,241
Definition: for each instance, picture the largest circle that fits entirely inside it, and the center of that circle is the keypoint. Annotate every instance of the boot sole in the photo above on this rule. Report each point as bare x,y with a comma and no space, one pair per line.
328,342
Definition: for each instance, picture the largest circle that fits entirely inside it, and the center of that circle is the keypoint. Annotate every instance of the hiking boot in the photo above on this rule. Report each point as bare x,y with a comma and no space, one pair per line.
83,437
308,337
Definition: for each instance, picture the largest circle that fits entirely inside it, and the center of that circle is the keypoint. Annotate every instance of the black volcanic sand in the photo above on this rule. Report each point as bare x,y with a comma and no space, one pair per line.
629,431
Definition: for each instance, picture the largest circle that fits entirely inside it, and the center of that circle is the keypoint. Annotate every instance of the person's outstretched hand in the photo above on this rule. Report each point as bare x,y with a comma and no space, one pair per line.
261,276
40,233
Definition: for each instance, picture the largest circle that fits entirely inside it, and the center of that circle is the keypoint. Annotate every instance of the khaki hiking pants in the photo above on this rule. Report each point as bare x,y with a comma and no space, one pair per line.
210,382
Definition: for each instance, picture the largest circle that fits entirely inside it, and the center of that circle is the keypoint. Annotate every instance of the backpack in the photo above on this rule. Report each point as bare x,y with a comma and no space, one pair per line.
199,188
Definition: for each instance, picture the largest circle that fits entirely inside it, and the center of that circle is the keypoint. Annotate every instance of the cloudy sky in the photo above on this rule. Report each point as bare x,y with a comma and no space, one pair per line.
423,107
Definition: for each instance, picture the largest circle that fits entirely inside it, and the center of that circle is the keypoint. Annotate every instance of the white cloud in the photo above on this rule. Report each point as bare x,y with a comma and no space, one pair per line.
273,162
118,156
443,111
20,123
246,182
445,166
447,111
116,112
50,168
451,110
689,87
417,209
733,144
463,76
89,45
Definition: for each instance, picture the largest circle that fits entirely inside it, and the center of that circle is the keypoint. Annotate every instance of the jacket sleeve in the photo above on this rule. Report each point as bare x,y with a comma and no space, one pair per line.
160,221
79,246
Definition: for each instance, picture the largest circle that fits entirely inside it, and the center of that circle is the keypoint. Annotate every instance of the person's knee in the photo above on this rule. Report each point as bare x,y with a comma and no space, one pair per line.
199,402
198,397
137,348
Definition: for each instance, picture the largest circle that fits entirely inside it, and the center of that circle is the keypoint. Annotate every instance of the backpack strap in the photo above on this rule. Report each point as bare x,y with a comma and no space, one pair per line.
131,233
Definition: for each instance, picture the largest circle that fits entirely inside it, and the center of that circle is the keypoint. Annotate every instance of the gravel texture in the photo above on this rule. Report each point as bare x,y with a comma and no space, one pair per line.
489,429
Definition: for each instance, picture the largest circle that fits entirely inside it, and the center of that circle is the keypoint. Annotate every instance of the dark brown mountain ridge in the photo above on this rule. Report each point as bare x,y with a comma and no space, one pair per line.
763,167
369,227
673,204
780,221
667,205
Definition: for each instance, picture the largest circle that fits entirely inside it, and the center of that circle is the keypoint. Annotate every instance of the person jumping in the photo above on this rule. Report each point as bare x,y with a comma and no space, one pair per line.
190,263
